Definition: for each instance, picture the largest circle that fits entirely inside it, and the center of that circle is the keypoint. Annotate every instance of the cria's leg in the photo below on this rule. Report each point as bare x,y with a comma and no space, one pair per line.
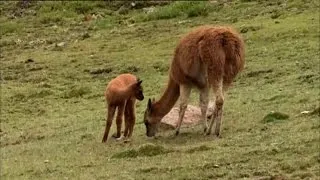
129,118
110,115
217,110
126,119
131,109
184,97
126,124
204,101
119,120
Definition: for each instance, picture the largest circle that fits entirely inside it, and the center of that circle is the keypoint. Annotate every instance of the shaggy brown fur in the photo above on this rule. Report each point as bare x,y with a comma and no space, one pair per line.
121,93
208,57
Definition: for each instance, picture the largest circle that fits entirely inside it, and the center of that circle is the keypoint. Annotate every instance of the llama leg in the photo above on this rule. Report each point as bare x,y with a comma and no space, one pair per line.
219,106
126,120
119,120
204,101
132,116
217,109
184,97
110,115
127,117
126,124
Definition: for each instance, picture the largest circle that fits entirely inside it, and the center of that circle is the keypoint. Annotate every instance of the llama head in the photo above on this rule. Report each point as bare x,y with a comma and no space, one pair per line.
138,90
151,122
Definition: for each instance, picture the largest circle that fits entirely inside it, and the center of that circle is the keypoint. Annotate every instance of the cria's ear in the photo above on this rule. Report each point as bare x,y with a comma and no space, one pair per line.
149,104
139,82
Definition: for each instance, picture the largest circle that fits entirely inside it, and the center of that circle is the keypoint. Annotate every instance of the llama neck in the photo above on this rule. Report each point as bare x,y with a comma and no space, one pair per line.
168,99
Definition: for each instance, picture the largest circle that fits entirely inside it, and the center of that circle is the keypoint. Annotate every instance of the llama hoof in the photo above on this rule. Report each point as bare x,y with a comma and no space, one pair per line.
177,133
126,140
119,138
205,130
217,135
104,139
115,136
207,133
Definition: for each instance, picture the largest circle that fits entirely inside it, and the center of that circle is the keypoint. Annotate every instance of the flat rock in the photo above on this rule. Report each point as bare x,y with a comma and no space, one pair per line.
191,117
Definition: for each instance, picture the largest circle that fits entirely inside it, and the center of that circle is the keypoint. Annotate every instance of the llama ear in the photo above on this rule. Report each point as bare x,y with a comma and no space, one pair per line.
139,82
149,105
153,99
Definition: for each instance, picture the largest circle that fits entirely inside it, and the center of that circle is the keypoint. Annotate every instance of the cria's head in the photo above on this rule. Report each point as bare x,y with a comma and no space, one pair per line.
138,90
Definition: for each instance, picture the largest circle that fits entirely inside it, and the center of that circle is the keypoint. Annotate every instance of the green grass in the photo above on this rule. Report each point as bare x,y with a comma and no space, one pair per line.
53,110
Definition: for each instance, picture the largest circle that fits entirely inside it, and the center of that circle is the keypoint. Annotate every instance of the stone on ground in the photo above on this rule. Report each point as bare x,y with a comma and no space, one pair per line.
191,117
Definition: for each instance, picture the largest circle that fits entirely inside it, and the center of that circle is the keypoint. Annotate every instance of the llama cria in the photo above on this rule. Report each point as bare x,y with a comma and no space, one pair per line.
121,93
208,57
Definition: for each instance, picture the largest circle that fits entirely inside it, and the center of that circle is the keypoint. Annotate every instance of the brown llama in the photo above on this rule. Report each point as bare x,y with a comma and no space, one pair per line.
208,57
121,93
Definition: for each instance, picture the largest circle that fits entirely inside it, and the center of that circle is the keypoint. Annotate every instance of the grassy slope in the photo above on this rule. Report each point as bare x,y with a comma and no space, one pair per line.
52,111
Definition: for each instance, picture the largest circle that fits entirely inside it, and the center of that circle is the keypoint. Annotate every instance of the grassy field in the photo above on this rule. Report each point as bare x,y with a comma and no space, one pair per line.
55,66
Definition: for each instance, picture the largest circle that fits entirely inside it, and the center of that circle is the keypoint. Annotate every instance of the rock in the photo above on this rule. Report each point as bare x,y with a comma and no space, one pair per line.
305,112
61,44
216,166
184,21
191,117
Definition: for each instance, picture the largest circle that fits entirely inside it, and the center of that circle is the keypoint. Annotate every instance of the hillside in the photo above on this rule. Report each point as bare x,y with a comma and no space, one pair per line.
57,57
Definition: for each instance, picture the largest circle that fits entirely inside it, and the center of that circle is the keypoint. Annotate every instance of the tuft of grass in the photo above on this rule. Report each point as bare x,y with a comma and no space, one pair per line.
275,117
9,27
199,148
316,111
76,92
41,94
179,8
148,149
100,71
49,18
